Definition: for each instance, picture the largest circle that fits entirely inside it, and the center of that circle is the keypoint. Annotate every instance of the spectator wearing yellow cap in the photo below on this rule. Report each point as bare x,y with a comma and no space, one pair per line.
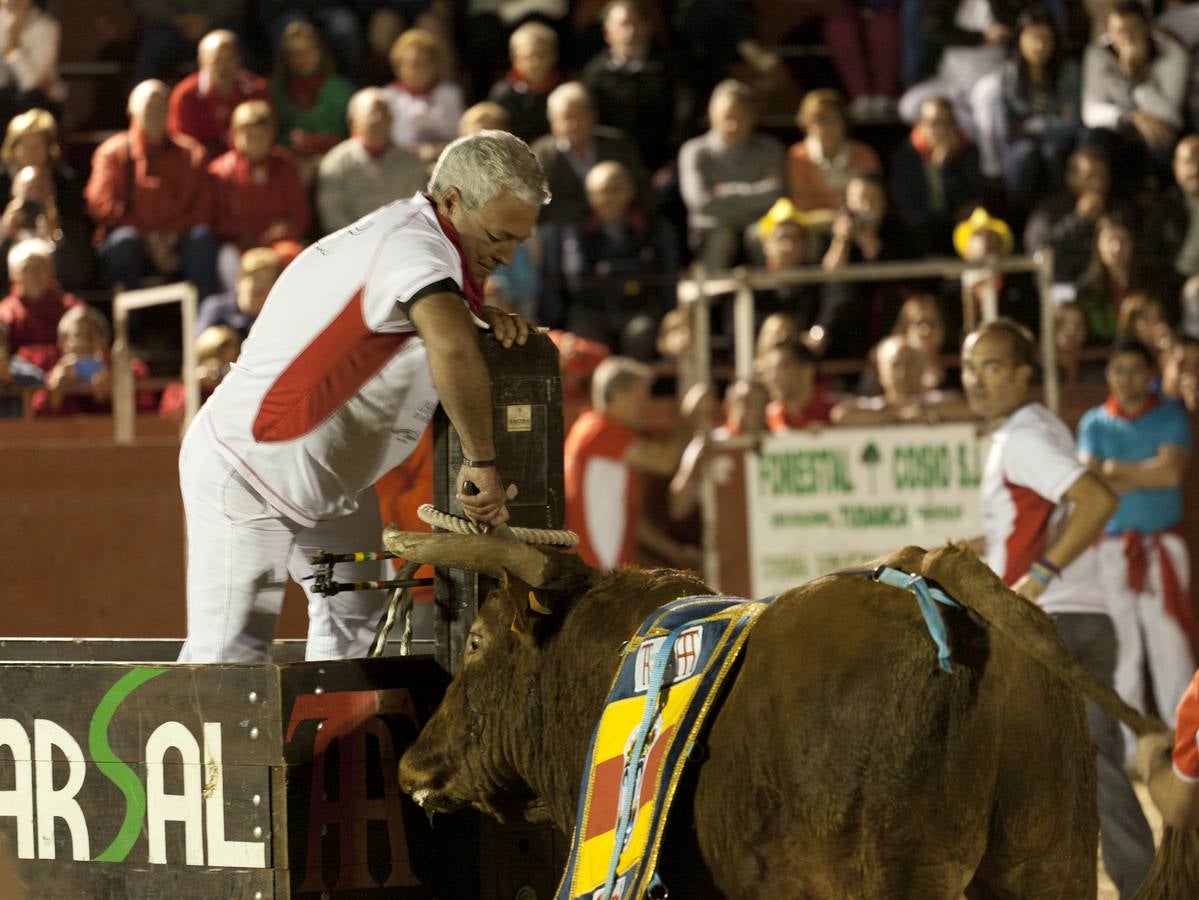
729,176
786,238
986,294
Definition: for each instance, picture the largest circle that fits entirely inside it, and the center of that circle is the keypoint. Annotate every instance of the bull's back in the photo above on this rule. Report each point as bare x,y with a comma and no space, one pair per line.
842,746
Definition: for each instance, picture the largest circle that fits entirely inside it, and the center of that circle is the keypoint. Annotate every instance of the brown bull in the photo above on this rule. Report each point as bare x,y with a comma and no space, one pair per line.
842,764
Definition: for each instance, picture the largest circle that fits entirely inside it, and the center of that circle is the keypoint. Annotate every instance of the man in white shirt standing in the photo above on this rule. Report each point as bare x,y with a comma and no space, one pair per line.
1042,512
359,339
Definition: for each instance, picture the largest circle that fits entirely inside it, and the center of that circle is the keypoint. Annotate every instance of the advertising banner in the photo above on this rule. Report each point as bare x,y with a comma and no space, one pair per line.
824,501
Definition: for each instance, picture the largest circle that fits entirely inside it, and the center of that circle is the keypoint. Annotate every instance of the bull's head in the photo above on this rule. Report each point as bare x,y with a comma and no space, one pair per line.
465,754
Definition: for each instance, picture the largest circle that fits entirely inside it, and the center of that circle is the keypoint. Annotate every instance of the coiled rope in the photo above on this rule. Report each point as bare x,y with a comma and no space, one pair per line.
552,536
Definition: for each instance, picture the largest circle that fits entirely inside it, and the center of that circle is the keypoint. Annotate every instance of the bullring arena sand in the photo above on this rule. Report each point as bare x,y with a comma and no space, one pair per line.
1107,890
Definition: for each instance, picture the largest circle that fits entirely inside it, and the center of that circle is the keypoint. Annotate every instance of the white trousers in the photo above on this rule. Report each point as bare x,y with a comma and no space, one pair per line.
239,553
1148,637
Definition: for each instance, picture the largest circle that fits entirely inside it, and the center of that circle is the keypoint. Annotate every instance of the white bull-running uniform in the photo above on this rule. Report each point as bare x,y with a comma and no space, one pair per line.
332,390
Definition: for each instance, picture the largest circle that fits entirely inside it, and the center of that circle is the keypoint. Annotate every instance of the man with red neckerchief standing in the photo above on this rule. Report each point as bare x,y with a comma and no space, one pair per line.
359,339
1139,443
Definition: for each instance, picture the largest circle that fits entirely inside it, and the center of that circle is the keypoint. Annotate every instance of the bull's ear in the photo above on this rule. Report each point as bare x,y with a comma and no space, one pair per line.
532,608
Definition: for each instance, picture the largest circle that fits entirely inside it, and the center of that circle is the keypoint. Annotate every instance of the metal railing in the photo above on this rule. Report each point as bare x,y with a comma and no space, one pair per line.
698,292
123,303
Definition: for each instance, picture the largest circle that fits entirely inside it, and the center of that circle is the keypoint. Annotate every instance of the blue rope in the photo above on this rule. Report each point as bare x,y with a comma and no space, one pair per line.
927,598
653,688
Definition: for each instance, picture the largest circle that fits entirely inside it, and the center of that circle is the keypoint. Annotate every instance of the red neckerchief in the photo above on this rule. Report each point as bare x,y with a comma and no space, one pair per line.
374,154
922,147
1116,411
302,92
515,77
470,287
413,92
1174,597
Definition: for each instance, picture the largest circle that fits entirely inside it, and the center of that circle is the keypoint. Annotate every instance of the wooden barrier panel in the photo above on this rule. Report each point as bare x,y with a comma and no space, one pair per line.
275,781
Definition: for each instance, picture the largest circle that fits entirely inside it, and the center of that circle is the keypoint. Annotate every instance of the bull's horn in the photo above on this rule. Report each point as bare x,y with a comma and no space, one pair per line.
473,552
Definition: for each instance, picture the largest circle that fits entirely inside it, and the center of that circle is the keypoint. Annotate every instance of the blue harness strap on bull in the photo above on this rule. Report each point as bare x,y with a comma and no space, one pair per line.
927,597
668,680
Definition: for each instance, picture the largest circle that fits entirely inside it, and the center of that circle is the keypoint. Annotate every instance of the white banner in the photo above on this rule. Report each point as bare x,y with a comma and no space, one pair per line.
819,502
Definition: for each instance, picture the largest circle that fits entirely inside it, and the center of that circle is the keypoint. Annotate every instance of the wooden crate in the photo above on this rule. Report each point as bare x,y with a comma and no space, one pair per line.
140,780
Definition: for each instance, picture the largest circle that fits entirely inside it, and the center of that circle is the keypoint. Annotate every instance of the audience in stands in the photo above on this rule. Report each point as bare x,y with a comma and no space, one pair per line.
217,348
29,45
149,197
863,41
1178,211
336,19
935,178
964,40
238,308
788,371
483,116
1142,318
1134,84
729,178
488,26
819,167
980,239
855,315
1066,221
922,324
310,97
425,105
1030,131
1069,339
631,86
15,372
1113,273
901,367
786,241
533,49
202,104
258,197
356,174
80,382
1180,374
171,30
32,212
31,312
575,144
611,278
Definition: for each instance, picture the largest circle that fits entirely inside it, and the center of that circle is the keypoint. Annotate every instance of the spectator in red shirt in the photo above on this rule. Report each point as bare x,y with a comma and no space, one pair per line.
796,400
148,196
604,458
202,104
31,312
258,197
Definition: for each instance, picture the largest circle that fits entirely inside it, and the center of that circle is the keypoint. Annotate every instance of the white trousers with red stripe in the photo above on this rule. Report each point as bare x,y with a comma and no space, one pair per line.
240,552
1148,637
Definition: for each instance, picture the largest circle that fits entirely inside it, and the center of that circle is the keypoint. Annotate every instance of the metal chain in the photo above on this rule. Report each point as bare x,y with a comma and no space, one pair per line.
438,519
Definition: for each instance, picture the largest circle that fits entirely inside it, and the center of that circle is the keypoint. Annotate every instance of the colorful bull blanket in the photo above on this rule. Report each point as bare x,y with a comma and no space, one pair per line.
669,678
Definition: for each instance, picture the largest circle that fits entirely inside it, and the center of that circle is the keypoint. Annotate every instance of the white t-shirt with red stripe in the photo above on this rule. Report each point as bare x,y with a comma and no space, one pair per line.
332,388
1030,467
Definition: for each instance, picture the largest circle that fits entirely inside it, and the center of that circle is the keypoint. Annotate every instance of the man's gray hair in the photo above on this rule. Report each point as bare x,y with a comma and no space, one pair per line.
615,375
732,89
565,94
483,165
